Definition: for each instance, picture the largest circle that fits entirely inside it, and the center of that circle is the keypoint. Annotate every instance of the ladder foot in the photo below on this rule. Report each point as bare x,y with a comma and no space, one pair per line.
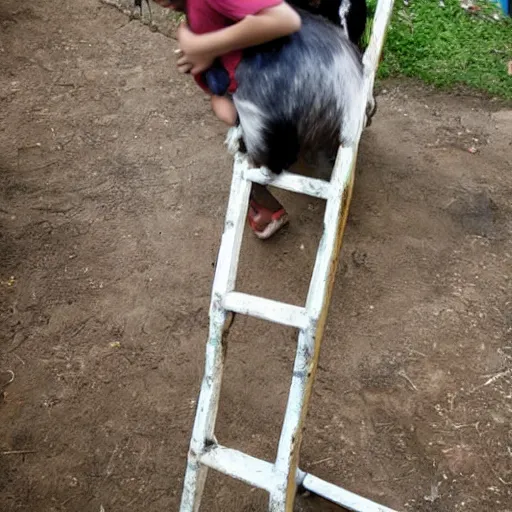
340,496
195,479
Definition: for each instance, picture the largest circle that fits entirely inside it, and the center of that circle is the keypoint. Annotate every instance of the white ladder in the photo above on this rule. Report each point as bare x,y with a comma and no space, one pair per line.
282,478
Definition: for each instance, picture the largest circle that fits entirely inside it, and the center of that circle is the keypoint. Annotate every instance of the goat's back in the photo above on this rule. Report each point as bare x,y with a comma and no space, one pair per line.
303,92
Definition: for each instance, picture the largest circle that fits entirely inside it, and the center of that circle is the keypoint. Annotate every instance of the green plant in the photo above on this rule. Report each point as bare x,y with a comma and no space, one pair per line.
445,45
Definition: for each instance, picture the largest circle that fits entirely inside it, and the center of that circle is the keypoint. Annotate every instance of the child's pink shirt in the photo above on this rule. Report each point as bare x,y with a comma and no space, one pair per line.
210,15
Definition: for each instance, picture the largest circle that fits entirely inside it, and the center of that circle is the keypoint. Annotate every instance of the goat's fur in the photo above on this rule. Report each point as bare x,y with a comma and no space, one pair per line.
349,14
301,93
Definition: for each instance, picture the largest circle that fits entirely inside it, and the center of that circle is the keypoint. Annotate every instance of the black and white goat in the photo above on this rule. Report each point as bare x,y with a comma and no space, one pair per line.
350,15
302,93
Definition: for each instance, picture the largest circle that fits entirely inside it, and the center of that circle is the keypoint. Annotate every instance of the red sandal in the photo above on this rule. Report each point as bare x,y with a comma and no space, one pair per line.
265,222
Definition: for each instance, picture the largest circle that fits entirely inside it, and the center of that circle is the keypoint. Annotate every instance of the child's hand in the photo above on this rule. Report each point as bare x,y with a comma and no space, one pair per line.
194,58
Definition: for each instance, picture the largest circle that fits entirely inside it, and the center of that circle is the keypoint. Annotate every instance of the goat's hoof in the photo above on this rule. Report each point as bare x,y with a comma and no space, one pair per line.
371,110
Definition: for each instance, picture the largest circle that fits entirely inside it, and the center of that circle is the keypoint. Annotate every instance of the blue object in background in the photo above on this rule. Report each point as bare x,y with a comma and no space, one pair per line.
505,5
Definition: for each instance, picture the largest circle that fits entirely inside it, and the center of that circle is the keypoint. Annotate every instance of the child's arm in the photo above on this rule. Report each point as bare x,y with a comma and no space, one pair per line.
199,51
259,28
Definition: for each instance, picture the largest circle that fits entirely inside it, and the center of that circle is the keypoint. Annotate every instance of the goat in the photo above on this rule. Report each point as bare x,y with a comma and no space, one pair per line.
352,16
349,14
300,93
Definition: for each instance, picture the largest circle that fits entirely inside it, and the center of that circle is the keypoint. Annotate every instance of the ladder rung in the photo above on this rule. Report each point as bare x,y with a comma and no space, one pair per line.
290,181
267,309
250,470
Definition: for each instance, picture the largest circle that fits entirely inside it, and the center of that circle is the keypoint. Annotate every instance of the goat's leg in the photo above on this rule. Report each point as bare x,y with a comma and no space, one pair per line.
371,110
234,140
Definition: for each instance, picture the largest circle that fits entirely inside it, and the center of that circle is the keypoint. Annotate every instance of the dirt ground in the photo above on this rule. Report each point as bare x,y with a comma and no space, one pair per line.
113,186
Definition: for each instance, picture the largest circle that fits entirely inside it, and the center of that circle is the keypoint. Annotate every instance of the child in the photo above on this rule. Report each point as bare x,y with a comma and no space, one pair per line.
211,49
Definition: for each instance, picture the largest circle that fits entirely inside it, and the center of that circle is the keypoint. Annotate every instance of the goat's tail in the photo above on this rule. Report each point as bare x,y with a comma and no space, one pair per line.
283,146
270,141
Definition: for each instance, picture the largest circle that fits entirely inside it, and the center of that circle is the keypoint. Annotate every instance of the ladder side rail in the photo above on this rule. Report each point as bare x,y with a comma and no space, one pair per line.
322,281
203,431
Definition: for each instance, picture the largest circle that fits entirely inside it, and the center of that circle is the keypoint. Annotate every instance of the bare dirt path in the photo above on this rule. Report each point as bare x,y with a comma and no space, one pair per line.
113,187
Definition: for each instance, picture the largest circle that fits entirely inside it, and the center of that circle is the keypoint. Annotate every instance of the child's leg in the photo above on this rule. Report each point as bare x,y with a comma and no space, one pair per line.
224,109
266,214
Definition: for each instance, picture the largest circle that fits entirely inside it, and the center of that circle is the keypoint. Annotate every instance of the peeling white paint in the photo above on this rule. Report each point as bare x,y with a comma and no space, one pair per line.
279,479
